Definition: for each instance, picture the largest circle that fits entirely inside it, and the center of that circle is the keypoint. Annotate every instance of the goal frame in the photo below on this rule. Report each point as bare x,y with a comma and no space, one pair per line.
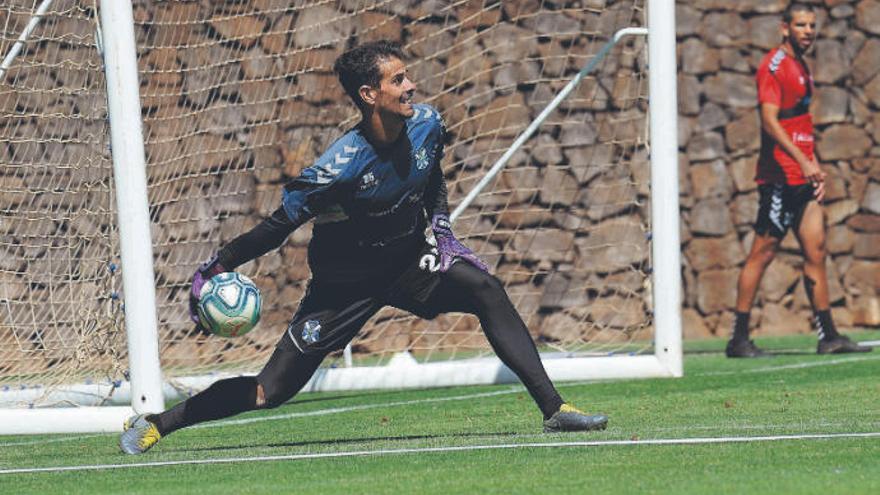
145,390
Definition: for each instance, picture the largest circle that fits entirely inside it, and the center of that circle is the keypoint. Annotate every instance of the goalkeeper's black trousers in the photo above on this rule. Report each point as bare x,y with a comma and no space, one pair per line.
462,289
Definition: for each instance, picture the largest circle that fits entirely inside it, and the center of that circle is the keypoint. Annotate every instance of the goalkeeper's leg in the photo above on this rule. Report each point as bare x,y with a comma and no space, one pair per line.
283,376
328,317
465,288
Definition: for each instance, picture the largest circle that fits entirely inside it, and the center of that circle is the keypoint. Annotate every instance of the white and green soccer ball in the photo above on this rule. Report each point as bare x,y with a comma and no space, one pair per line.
229,304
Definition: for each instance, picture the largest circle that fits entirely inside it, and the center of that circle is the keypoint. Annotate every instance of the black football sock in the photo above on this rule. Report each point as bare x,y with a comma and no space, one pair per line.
476,292
824,325
221,400
741,326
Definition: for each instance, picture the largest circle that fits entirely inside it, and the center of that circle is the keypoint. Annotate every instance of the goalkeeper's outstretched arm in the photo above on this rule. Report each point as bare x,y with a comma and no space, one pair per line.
267,235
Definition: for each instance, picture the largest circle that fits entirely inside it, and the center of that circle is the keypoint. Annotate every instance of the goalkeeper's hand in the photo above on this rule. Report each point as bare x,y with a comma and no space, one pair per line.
204,273
451,248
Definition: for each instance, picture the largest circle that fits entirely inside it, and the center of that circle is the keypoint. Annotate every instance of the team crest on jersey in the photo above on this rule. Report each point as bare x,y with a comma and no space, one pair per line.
422,159
311,331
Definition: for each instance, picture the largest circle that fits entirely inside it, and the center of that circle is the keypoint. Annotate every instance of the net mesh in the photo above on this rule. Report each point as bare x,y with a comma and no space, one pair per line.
238,97
58,296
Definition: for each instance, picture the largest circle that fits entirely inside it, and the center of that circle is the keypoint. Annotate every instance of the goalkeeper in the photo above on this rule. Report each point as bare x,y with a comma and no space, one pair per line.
372,195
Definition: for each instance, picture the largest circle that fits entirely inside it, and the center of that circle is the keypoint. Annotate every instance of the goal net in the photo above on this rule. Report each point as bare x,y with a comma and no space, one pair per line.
60,306
237,98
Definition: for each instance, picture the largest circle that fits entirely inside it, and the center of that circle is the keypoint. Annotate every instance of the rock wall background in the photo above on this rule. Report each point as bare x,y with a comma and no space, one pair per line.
720,45
238,96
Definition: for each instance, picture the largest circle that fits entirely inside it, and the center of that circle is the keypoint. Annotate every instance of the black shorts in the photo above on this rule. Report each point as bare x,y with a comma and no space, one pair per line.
781,207
331,313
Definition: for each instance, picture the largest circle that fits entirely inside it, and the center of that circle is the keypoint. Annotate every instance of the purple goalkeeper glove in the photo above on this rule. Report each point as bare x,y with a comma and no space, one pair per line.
451,248
203,274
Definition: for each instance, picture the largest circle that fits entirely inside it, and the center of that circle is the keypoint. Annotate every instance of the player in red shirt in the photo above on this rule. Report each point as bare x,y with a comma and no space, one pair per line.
791,185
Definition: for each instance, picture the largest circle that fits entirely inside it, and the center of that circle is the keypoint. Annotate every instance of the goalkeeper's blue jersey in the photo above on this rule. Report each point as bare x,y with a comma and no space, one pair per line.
369,203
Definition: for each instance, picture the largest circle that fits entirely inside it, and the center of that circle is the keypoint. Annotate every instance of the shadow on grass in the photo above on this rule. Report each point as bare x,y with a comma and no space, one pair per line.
300,400
790,352
340,441
770,352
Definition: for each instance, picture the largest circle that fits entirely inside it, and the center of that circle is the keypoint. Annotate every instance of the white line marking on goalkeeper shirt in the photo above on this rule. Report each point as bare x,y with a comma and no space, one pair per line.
782,367
455,448
337,410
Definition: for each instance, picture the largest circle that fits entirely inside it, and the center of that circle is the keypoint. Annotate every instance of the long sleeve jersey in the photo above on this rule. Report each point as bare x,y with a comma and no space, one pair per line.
370,205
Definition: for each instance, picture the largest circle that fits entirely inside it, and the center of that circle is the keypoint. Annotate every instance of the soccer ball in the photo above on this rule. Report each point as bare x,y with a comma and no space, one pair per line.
229,304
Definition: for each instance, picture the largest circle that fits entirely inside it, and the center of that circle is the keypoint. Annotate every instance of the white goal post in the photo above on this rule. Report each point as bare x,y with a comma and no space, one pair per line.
146,391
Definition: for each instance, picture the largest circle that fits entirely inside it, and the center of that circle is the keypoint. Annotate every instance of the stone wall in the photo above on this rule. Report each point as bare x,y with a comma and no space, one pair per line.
720,44
585,279
239,97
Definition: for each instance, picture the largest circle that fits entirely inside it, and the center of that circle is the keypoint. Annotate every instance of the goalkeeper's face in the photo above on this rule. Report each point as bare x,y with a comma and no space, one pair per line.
394,96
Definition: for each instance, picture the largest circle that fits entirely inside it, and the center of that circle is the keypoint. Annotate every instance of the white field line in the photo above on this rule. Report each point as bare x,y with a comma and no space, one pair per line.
759,426
511,390
52,440
452,448
795,366
320,412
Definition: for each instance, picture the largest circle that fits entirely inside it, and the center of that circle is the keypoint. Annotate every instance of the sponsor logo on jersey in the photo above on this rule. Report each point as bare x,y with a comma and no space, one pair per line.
368,181
410,198
311,331
802,137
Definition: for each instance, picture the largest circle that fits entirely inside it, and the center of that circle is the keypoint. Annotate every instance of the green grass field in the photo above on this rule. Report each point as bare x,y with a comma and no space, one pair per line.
794,423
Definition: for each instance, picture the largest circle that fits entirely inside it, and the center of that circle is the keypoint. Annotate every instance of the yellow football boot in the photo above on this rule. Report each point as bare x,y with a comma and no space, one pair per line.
139,435
570,418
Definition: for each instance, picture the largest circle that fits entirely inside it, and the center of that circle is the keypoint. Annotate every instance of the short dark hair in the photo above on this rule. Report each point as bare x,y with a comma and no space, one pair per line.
793,7
360,66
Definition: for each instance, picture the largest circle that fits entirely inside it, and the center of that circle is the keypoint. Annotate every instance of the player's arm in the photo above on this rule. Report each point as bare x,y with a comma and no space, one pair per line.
810,167
267,235
302,198
436,194
437,208
772,126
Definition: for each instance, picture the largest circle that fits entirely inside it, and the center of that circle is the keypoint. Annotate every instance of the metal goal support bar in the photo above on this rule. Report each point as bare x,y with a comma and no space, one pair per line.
530,130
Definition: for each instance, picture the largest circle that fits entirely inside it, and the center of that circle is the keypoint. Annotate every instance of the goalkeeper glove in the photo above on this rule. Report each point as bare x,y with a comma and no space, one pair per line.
451,248
204,273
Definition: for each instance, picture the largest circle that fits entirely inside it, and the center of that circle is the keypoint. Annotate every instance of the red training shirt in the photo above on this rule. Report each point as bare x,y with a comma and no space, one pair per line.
785,82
